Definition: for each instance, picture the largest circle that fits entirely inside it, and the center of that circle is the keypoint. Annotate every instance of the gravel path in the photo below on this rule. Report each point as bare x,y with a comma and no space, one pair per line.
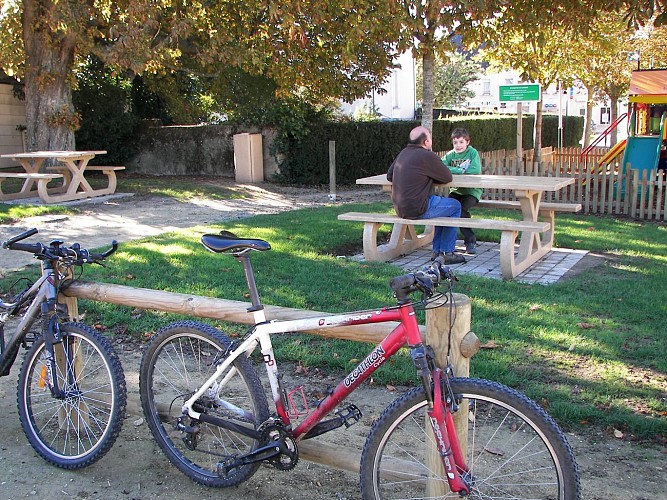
125,218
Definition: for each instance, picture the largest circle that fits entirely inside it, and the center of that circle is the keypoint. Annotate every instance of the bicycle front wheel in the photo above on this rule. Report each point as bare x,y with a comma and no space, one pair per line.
77,427
179,359
514,449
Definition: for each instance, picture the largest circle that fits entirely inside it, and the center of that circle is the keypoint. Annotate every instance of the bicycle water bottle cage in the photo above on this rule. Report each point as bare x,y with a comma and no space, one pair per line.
226,241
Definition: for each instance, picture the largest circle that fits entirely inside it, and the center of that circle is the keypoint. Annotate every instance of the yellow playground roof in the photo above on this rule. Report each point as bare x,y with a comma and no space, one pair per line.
649,86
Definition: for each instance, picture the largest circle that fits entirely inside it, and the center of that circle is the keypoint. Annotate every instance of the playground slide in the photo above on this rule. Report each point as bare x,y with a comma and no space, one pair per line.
611,155
642,152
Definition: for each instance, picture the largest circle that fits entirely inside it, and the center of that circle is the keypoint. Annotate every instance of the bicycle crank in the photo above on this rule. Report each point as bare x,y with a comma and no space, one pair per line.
280,451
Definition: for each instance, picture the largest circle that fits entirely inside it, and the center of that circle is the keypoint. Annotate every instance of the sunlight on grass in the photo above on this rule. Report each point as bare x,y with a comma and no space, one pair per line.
10,213
593,348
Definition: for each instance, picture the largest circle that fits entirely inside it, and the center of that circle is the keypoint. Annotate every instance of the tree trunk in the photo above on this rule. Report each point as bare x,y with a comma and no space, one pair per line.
589,116
613,110
428,69
50,116
537,144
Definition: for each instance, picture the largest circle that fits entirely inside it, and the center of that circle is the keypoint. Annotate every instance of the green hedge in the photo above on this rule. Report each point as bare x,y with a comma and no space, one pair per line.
368,148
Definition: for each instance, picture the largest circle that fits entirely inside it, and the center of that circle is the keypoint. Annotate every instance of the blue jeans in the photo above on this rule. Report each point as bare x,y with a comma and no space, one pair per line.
444,238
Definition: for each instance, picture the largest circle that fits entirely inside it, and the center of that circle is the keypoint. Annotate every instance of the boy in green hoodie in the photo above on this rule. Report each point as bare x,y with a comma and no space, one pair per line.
464,159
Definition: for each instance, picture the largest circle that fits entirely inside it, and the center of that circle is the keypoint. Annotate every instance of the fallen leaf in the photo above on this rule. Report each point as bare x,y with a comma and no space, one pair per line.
591,228
138,422
494,451
535,307
489,345
618,434
301,369
585,326
391,388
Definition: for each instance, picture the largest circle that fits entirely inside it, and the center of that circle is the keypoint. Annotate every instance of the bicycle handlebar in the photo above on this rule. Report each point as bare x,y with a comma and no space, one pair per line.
74,255
425,280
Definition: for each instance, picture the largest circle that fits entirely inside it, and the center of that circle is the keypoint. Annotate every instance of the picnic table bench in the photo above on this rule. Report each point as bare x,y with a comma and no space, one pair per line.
535,235
72,169
29,179
407,239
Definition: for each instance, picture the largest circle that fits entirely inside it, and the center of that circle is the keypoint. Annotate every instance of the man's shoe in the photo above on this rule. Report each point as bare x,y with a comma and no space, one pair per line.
435,255
454,258
471,248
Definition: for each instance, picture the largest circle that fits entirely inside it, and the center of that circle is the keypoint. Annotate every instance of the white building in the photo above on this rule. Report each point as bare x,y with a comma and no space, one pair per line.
12,120
570,101
399,100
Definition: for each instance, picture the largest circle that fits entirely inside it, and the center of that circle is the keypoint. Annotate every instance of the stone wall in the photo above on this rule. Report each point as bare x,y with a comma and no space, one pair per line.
193,150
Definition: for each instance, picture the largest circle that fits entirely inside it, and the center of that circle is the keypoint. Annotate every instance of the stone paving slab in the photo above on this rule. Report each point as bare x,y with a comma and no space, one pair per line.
486,262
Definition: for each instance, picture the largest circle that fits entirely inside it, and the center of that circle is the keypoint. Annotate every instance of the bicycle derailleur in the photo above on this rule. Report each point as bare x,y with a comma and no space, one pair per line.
278,448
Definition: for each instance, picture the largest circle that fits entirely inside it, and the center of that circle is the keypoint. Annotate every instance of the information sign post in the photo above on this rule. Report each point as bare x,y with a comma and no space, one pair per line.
520,93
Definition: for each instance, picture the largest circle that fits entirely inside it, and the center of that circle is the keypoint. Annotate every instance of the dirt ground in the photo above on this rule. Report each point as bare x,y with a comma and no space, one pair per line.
135,468
611,468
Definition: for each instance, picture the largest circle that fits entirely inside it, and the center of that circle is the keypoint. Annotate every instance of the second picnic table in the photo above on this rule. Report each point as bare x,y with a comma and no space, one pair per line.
536,237
73,165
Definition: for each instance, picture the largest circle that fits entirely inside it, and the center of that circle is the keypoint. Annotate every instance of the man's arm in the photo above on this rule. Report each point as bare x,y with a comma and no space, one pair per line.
438,171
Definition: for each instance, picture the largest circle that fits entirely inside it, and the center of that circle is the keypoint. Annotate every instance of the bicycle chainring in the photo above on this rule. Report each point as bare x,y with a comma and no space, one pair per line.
289,455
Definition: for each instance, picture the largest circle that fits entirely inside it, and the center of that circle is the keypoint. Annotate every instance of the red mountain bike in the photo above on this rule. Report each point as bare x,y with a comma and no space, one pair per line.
206,407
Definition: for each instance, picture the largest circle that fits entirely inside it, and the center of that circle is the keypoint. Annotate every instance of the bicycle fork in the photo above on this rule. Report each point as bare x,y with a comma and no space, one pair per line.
442,422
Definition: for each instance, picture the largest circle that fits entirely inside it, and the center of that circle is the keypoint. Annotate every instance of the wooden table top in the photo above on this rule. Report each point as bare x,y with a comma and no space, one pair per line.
515,182
53,154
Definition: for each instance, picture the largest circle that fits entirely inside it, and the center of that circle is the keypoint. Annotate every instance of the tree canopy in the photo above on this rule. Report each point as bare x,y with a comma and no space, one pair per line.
328,48
309,49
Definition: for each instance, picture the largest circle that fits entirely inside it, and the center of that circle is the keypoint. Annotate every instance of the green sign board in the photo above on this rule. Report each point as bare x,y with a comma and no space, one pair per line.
522,92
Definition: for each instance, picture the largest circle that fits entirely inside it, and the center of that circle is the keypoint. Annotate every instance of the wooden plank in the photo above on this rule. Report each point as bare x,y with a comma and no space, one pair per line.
226,310
485,181
603,190
501,225
515,204
659,196
25,175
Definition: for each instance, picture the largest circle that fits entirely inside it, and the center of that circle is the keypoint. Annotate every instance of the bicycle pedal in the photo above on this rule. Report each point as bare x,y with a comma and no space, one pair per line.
345,417
350,415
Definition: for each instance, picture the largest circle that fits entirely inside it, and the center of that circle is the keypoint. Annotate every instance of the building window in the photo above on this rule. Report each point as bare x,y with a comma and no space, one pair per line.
486,87
605,115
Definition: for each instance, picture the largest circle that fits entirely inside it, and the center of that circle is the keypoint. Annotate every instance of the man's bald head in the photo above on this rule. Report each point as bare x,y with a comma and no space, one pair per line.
419,135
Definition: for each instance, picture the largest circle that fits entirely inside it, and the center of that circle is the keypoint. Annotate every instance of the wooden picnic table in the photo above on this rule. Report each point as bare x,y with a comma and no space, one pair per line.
72,167
528,190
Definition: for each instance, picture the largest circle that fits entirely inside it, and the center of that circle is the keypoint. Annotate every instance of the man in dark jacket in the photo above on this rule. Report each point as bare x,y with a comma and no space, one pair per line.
412,174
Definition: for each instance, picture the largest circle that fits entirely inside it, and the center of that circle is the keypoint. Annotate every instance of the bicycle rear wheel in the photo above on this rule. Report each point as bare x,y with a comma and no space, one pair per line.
177,362
77,429
514,449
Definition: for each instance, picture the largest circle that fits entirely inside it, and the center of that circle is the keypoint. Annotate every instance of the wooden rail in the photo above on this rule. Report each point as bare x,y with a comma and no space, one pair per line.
435,333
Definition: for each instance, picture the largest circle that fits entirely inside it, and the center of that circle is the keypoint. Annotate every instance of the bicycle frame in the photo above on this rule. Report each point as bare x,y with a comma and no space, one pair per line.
43,294
406,333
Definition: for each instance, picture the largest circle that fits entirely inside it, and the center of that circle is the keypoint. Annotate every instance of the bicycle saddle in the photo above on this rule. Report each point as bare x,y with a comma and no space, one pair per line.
226,241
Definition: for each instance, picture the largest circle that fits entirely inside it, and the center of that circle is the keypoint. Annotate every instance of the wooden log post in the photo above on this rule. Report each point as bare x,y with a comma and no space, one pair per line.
465,343
332,170
439,322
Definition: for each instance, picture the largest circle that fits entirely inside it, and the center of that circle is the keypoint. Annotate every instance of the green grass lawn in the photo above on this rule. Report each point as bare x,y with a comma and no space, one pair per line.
592,349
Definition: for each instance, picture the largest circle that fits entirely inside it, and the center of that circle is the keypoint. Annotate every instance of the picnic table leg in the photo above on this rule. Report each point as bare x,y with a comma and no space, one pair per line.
77,169
532,245
31,167
404,239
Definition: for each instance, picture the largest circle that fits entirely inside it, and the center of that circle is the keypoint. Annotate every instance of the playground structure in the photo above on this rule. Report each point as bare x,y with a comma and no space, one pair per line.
644,148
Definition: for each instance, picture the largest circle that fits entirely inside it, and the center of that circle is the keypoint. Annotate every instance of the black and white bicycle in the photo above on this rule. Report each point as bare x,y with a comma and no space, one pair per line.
71,388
